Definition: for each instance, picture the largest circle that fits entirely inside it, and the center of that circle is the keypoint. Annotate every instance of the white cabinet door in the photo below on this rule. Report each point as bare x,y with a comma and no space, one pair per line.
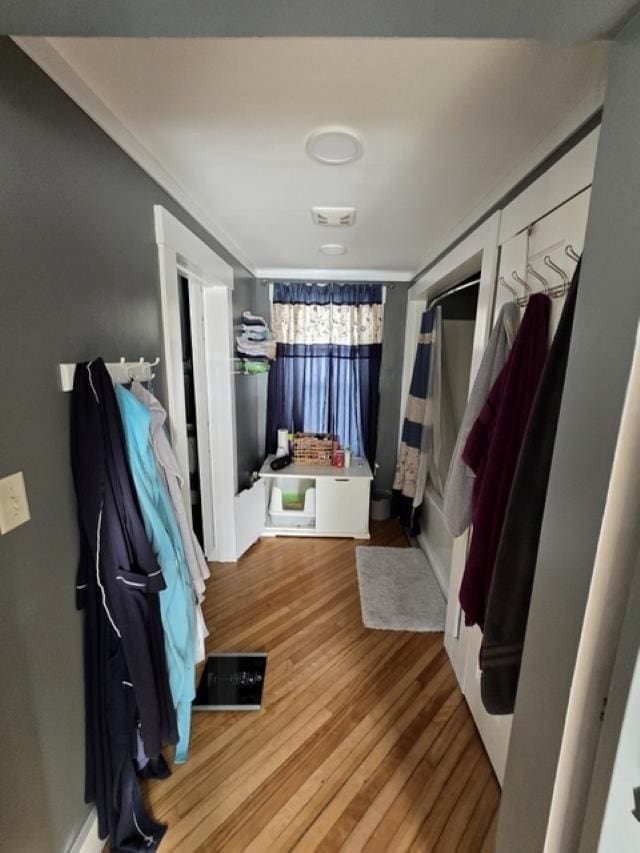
250,511
495,731
342,506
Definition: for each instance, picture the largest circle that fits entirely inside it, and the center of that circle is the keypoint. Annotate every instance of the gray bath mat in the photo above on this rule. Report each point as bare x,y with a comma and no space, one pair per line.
398,590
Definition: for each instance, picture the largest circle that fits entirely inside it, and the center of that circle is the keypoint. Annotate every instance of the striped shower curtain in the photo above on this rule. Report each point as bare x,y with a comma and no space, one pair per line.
417,431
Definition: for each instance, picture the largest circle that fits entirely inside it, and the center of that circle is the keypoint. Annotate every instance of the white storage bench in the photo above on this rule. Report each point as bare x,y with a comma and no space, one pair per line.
317,500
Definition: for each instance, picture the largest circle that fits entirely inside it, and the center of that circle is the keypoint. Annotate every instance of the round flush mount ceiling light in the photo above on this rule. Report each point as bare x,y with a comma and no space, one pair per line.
334,146
333,249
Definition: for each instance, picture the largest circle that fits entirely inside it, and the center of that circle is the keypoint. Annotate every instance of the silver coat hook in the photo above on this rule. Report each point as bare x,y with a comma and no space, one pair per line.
521,282
549,263
540,278
570,252
506,285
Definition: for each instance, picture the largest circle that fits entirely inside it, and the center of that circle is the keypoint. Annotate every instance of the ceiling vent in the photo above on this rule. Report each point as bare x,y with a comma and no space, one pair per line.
335,216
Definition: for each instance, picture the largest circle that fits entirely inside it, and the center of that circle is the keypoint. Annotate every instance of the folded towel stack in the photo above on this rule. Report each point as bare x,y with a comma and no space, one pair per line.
255,333
256,341
252,320
256,349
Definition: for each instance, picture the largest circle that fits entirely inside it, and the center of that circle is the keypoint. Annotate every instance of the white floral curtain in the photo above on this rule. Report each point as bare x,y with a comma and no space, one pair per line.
349,325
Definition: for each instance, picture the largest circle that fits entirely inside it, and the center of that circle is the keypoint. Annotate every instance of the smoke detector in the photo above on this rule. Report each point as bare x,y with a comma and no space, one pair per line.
334,146
334,216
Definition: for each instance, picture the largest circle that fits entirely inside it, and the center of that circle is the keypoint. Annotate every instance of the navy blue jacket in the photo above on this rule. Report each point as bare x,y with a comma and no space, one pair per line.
127,696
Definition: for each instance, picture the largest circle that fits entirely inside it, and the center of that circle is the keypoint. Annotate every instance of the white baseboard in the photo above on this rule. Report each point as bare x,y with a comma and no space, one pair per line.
87,840
436,565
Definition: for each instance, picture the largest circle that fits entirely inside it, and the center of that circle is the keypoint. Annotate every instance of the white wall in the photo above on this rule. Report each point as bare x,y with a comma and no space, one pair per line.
457,342
435,539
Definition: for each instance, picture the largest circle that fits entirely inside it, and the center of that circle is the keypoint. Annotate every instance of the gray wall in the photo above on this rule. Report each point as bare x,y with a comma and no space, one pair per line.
79,278
604,331
569,21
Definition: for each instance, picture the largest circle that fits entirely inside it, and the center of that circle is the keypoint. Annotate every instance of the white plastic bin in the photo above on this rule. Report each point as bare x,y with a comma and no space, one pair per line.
293,503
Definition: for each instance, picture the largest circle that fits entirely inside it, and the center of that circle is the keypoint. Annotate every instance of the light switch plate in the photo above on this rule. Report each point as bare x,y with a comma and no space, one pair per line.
14,508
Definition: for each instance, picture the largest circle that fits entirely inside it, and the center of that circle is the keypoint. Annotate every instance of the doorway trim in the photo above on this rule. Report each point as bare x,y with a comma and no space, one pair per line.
479,250
180,252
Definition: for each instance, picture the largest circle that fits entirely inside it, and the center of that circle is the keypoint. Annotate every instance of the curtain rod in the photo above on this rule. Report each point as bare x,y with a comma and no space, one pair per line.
455,289
267,281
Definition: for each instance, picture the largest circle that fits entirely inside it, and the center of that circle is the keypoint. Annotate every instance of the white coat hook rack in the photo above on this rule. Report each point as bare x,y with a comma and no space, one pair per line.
122,371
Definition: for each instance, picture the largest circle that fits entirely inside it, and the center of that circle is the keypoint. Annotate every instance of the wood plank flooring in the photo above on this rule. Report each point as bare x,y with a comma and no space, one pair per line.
364,741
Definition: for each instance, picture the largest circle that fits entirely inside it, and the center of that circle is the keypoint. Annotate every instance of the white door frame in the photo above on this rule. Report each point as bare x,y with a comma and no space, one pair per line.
181,252
566,178
201,373
477,251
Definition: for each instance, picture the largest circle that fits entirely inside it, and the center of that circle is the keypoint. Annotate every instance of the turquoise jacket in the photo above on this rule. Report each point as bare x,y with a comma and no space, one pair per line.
177,600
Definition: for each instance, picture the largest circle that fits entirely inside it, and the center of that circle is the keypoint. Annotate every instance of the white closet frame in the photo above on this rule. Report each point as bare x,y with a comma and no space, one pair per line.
478,250
180,252
569,176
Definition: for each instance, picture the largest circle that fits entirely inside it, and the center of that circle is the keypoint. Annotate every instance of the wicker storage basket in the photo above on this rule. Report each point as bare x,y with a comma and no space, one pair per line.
310,448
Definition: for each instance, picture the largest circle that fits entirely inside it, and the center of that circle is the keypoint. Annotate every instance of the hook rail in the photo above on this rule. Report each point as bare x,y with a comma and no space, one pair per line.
552,290
122,371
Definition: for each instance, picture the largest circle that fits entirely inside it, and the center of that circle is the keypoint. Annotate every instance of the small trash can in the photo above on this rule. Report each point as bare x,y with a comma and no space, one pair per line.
380,508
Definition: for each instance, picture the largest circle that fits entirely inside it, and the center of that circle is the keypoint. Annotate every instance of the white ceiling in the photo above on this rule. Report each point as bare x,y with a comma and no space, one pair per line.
447,126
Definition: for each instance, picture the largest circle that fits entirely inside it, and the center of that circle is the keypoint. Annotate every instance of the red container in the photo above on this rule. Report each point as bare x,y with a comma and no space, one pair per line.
338,459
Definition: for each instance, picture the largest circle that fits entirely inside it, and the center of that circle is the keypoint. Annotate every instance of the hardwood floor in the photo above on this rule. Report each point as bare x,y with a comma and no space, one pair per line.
364,741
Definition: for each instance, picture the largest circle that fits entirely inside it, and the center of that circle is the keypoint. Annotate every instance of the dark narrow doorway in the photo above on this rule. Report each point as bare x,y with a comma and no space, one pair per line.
190,408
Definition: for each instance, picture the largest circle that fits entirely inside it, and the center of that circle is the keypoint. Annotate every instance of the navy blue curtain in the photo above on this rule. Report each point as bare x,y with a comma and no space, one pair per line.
326,387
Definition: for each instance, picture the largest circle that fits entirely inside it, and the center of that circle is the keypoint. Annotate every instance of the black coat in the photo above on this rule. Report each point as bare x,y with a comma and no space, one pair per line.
127,695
